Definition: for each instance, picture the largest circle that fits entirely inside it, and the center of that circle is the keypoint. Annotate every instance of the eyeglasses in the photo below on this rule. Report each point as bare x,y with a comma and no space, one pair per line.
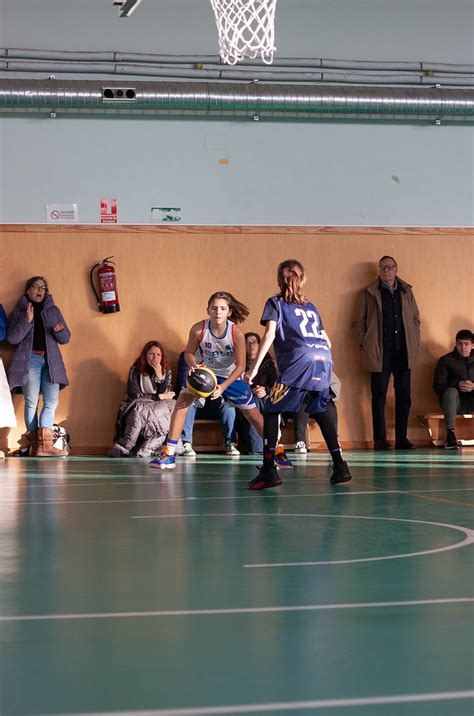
388,267
39,287
251,343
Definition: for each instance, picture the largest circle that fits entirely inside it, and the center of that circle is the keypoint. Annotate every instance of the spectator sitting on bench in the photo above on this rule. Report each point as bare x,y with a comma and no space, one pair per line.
144,415
454,383
212,410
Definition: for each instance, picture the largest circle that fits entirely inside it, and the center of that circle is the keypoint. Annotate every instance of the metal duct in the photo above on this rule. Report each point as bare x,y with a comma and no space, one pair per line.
251,100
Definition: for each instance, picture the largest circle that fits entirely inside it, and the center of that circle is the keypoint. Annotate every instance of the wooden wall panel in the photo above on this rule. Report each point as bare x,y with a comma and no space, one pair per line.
166,274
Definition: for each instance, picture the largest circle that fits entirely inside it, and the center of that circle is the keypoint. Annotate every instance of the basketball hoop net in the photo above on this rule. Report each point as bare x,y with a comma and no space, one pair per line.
246,29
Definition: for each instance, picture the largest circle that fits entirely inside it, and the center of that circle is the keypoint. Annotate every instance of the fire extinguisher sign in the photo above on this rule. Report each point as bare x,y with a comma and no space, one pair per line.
108,211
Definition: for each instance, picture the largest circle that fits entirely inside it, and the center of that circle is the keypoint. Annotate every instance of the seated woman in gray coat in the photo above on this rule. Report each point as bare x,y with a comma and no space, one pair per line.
37,329
144,416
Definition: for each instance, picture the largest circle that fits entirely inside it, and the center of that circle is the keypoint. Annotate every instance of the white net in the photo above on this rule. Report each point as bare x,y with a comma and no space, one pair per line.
246,29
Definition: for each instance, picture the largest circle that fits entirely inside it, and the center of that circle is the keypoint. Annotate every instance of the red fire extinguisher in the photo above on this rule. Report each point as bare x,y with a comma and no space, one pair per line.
107,298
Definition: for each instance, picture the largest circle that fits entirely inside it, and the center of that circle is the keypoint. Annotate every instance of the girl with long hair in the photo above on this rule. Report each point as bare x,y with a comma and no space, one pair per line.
144,416
303,353
217,343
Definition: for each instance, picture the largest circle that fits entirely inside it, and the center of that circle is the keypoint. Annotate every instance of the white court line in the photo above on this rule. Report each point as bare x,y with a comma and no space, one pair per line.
196,481
185,499
293,705
469,539
469,535
237,610
345,493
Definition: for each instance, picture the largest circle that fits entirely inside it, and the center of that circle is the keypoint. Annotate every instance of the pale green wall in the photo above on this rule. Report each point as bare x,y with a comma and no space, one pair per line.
278,172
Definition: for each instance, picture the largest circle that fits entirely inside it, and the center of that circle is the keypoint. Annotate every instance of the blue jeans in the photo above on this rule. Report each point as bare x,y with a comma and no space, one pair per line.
226,416
39,382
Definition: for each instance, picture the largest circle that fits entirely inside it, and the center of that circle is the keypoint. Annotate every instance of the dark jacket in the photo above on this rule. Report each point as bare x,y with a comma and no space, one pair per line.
134,389
368,325
20,334
267,373
450,369
3,323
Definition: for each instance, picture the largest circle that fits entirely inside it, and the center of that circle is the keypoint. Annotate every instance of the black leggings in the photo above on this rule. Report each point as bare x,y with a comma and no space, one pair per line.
327,422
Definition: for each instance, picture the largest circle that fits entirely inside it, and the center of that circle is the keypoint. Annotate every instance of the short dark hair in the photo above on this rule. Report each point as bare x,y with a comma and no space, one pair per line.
464,335
255,335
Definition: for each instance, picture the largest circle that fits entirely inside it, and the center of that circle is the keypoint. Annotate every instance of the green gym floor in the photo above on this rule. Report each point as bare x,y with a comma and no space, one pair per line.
126,590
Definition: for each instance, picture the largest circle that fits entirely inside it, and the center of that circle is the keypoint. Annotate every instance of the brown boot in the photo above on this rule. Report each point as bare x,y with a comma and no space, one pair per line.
29,440
45,444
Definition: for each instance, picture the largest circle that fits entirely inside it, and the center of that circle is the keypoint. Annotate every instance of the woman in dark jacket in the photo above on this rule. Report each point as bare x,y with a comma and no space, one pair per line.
37,327
144,416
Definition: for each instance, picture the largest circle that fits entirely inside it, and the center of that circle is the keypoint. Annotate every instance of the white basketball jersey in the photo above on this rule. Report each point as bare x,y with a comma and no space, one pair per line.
217,353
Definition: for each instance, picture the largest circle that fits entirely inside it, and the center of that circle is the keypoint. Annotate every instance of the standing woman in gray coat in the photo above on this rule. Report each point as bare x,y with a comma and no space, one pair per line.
37,327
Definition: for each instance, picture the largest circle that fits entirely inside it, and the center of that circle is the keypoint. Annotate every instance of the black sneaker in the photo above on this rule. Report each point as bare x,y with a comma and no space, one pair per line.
451,441
405,445
340,473
267,477
382,445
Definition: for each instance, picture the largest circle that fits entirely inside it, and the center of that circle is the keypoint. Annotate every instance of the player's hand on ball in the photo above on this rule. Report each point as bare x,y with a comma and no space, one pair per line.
217,393
195,367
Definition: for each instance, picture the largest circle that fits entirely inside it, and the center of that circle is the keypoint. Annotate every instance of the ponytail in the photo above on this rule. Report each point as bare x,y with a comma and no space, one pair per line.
291,279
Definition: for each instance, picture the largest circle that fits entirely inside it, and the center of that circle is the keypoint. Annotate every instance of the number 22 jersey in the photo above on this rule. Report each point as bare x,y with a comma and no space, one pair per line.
303,354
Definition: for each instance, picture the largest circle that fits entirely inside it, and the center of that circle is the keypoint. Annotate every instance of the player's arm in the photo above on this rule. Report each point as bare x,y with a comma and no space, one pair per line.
239,354
192,345
265,345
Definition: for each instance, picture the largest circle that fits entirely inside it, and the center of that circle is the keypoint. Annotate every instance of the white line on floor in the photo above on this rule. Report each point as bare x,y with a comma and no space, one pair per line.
345,492
241,610
469,535
292,705
197,481
469,539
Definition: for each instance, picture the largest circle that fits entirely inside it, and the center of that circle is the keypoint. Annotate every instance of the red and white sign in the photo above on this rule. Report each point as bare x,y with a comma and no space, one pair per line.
108,211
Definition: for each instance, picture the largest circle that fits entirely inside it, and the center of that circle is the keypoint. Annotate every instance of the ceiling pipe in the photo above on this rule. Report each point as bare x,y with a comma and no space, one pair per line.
112,56
253,100
227,73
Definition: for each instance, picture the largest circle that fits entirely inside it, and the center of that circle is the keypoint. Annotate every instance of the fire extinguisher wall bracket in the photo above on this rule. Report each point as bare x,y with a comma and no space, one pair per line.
107,295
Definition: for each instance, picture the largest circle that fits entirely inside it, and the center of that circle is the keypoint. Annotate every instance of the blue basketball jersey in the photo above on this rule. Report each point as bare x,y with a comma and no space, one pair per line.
303,355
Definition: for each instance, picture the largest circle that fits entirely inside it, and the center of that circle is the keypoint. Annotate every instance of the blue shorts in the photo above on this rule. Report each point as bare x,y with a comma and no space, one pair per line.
288,399
237,394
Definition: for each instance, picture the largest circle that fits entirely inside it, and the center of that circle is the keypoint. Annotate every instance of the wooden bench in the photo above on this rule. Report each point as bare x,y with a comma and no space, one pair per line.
207,436
437,428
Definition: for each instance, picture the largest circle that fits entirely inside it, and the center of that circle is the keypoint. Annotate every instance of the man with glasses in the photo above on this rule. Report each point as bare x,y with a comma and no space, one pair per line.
387,327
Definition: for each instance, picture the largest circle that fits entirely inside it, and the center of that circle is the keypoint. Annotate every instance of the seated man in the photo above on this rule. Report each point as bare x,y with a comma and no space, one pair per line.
454,383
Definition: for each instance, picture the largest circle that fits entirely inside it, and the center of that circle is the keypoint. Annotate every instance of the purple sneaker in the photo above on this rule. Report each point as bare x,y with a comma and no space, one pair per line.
163,461
282,461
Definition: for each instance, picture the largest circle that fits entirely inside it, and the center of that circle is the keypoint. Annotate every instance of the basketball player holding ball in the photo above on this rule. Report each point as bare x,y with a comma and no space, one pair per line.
216,343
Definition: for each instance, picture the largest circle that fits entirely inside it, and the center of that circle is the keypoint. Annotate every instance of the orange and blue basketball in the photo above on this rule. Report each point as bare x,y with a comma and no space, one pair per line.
201,382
